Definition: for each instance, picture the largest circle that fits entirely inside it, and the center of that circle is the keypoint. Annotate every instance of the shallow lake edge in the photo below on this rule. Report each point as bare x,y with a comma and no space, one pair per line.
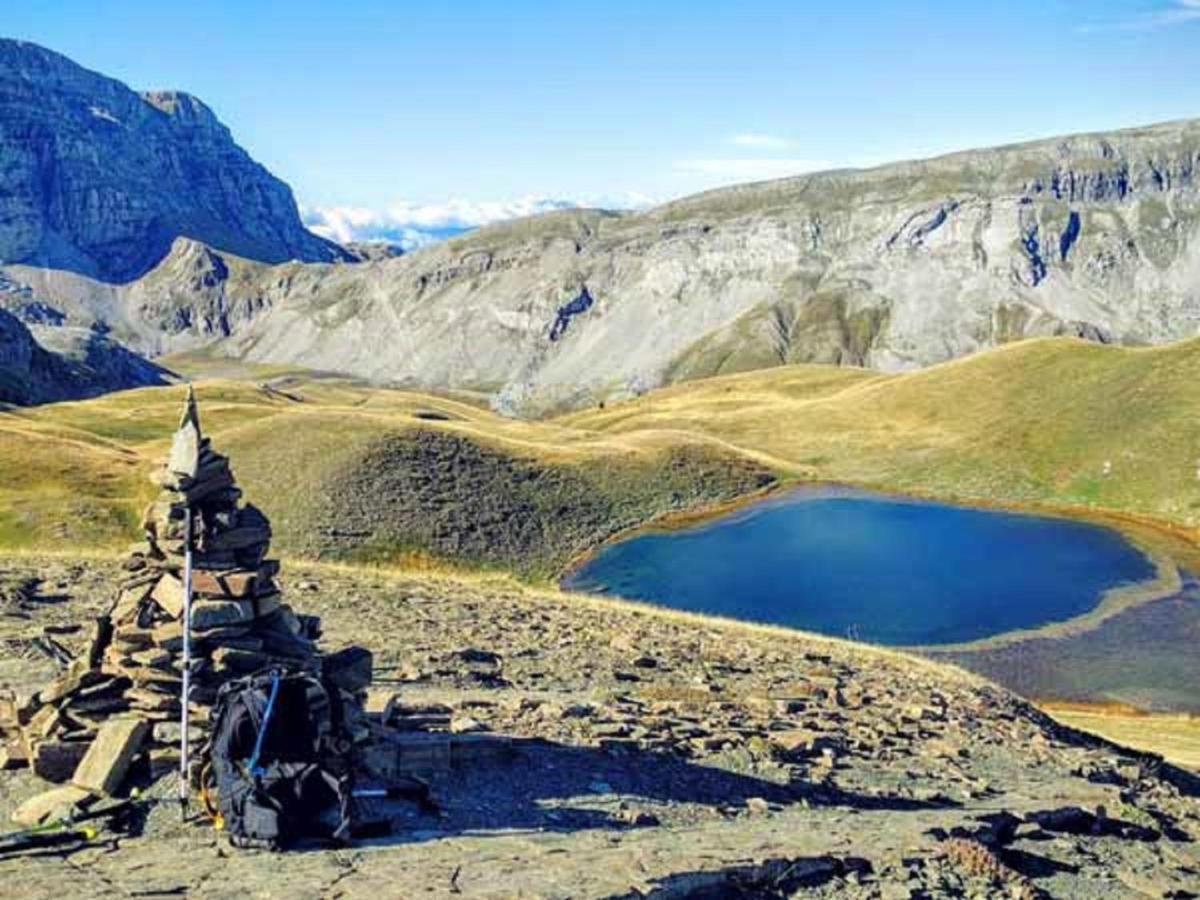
1150,537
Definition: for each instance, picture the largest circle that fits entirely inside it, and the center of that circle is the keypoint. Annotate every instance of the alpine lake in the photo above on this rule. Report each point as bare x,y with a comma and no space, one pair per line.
1053,607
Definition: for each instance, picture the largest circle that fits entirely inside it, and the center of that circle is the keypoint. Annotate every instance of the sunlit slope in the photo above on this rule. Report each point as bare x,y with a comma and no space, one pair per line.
75,475
347,471
1056,420
350,472
1176,737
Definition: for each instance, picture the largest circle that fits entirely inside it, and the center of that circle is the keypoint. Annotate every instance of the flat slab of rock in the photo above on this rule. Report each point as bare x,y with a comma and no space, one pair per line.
224,613
13,754
50,804
233,585
184,458
111,754
168,594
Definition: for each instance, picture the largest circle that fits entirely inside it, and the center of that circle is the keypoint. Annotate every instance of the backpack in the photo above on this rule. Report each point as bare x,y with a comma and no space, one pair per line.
280,762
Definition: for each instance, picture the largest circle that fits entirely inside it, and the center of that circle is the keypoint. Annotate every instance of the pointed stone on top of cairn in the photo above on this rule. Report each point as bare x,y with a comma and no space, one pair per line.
240,623
185,446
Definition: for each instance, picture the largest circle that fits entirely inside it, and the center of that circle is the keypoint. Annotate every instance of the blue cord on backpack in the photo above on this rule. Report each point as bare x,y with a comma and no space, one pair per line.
252,766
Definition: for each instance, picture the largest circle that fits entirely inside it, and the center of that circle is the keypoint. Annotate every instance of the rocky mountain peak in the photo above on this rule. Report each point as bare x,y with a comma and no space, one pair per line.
182,106
99,180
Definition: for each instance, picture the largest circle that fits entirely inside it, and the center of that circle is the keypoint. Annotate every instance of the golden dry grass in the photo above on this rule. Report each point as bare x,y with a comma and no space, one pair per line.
1057,422
1175,737
77,473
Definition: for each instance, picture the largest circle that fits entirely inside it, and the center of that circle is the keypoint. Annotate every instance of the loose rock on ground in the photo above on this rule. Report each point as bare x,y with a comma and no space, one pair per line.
740,760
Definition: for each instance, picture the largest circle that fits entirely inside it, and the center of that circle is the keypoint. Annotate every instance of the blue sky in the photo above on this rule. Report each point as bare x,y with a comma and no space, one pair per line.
395,114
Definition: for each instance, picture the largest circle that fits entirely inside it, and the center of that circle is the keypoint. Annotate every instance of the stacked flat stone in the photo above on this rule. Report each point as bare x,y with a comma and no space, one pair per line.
239,622
240,625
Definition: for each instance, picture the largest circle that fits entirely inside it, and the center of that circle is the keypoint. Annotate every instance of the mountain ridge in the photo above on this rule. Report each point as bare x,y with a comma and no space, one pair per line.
49,364
99,179
895,267
925,162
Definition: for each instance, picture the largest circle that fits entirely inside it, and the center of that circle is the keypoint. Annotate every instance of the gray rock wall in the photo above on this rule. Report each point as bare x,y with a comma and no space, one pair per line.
894,268
65,363
898,267
99,180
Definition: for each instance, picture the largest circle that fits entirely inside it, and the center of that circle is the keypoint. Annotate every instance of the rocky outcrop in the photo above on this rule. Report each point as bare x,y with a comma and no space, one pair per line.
66,364
99,180
371,251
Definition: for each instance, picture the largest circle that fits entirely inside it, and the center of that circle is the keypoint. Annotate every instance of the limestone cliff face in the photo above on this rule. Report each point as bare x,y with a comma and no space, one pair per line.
65,363
894,268
99,180
897,267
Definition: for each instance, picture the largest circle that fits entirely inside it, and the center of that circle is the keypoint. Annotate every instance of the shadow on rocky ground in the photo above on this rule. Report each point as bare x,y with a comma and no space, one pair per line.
556,787
773,879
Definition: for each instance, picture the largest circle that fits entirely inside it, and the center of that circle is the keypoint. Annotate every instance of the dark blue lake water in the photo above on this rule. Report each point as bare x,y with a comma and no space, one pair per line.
877,568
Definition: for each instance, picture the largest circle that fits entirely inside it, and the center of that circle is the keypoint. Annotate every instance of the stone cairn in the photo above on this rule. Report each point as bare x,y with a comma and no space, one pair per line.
119,705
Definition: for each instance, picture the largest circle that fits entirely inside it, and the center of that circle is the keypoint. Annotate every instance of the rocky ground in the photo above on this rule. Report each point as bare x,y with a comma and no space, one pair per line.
652,755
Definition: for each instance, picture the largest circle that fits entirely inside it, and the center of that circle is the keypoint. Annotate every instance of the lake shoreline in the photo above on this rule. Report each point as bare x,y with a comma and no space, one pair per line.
1161,543
1113,602
1184,540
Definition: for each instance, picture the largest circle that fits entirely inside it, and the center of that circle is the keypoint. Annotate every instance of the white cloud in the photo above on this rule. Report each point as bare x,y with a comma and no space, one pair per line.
750,169
759,141
1175,12
413,225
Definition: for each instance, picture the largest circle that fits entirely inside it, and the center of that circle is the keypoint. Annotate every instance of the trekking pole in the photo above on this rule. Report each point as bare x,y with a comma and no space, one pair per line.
67,828
184,714
43,839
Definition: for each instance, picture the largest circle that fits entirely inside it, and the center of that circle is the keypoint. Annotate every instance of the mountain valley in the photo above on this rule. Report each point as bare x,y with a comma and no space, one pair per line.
892,268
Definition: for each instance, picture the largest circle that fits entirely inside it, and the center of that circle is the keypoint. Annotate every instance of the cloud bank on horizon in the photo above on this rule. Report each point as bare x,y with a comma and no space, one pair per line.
413,225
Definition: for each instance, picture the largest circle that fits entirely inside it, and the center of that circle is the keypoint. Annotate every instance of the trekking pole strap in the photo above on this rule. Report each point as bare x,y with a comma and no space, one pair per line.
252,766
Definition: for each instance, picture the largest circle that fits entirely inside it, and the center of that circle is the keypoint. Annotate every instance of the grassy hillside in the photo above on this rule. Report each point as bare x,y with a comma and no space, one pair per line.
353,472
1055,421
349,472
1175,736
